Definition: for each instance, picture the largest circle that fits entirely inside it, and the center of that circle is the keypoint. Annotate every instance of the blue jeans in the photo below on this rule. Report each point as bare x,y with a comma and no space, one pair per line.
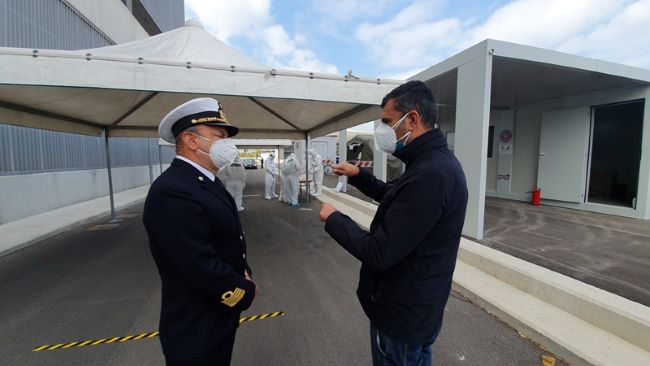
389,352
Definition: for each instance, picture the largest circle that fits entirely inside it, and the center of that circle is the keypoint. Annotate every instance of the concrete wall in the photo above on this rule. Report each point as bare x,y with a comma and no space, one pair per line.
112,17
168,14
30,194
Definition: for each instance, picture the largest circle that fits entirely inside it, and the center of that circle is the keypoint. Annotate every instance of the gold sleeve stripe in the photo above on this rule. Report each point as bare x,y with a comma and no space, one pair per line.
231,298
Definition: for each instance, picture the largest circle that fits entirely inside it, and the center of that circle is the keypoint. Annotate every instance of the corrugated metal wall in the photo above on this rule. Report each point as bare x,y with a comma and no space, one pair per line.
46,24
168,14
28,150
53,24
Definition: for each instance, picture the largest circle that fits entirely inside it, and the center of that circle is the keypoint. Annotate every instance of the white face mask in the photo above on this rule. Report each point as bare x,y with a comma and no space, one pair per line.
386,139
222,152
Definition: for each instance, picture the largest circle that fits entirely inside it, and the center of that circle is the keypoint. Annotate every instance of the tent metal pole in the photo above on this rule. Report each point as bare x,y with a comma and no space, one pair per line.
307,166
160,158
149,160
110,177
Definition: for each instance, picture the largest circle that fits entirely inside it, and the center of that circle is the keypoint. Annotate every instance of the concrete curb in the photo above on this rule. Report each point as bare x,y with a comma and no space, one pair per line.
21,233
578,322
624,318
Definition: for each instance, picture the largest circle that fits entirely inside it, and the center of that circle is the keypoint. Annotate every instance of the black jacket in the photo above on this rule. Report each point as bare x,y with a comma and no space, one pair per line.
409,255
198,244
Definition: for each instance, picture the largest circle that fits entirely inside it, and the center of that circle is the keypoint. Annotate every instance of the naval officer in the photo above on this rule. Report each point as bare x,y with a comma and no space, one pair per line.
197,240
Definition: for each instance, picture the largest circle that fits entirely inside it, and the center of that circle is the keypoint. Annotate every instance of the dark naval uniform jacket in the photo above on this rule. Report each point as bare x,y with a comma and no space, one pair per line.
409,255
198,244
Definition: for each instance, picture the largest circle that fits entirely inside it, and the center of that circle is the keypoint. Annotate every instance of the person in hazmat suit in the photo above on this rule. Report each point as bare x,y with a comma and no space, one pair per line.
285,195
233,177
269,176
316,172
292,169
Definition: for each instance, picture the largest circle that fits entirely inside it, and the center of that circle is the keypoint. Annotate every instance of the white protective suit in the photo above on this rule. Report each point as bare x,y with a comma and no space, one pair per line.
269,177
285,195
292,168
233,178
316,172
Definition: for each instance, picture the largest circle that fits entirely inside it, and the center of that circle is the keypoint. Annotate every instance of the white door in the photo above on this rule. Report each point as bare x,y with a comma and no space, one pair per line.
563,150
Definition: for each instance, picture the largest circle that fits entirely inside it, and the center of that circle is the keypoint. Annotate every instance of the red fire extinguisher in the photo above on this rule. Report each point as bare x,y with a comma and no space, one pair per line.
536,196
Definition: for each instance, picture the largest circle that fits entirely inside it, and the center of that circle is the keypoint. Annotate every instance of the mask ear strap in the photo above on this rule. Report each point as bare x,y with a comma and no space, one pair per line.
400,121
205,138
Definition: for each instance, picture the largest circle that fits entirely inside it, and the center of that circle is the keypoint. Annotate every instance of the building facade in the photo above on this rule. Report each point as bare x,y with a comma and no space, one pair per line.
43,170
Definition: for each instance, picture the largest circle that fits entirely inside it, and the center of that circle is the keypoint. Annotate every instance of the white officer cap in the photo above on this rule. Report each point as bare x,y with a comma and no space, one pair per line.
199,111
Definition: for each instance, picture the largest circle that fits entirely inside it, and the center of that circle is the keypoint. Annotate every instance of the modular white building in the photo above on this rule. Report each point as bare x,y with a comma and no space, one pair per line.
521,117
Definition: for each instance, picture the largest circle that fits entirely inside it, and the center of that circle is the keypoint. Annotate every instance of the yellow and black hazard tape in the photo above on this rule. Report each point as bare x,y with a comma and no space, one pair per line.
260,317
94,342
135,337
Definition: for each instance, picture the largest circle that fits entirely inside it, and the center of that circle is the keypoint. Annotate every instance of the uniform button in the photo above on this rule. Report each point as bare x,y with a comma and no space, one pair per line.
244,255
241,237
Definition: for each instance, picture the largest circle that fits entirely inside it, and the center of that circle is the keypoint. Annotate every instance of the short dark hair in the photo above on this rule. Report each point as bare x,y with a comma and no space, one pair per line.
414,95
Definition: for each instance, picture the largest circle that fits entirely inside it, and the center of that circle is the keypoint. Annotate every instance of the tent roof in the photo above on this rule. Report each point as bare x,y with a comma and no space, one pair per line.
128,88
189,43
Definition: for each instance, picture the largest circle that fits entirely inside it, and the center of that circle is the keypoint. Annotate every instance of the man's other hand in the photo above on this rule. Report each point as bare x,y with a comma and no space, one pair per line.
346,169
325,211
248,277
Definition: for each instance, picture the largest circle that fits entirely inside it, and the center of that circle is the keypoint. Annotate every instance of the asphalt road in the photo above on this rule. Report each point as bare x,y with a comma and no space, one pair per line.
89,284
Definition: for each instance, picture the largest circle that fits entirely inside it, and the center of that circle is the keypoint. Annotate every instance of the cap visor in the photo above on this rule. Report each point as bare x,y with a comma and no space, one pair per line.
232,130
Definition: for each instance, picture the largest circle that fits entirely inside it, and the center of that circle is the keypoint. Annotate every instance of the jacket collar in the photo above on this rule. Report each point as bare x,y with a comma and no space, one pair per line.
428,141
190,169
198,167
204,182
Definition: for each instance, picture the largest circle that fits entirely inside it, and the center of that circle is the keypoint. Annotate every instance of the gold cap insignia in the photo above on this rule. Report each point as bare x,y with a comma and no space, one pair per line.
220,118
231,298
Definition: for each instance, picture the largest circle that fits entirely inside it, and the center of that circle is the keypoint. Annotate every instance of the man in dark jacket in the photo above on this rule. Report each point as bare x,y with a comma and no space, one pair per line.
197,240
409,255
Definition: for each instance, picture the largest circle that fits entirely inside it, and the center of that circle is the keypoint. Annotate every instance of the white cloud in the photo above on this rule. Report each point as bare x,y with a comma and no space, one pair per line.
408,39
252,19
543,23
282,51
614,30
228,18
348,10
625,38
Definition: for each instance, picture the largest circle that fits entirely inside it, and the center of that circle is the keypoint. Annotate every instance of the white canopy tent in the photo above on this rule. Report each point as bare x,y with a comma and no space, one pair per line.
126,89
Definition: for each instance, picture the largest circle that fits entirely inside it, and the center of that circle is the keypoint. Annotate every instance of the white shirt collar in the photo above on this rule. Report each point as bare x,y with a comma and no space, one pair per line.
205,172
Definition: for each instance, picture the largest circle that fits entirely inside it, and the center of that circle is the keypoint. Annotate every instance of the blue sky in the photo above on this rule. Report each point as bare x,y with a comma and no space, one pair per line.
397,38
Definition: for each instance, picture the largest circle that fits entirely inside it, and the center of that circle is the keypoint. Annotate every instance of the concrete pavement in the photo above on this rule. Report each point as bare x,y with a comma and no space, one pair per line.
92,284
